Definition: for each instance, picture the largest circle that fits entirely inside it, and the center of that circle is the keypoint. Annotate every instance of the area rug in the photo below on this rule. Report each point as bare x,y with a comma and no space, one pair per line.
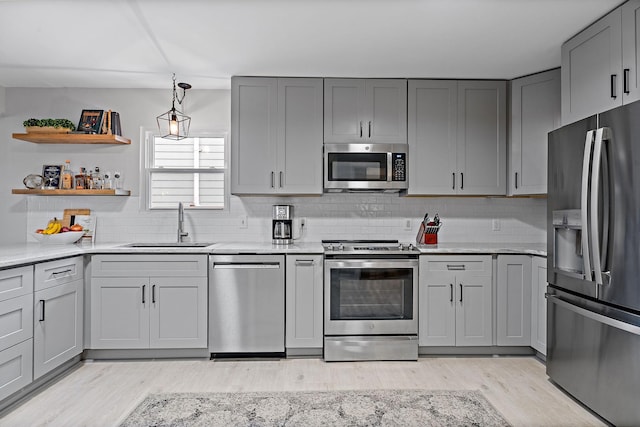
334,408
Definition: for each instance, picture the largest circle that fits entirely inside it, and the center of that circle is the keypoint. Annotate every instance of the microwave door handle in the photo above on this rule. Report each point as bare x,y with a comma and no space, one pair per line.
584,204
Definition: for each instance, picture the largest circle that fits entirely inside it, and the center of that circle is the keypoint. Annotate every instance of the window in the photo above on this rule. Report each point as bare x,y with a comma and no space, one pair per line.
191,170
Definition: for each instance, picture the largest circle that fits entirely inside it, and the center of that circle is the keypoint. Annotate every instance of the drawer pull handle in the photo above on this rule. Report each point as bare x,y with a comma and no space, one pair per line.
61,272
304,262
456,267
42,311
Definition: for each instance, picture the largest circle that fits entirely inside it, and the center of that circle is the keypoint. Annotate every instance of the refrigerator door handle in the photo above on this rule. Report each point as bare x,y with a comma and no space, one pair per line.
633,329
584,205
599,245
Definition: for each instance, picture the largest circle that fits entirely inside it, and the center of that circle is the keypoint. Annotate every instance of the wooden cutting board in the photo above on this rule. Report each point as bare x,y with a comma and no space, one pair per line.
69,215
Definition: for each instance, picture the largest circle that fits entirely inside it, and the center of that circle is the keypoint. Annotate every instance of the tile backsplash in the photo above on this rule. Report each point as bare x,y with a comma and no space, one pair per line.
331,216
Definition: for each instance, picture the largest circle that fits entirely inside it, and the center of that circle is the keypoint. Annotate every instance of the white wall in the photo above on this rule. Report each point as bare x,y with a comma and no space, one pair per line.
120,218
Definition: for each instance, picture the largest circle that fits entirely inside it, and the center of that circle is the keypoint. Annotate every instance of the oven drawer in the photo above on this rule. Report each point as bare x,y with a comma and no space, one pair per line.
479,265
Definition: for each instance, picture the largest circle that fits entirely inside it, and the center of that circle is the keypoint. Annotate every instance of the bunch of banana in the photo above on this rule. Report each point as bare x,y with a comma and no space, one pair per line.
53,227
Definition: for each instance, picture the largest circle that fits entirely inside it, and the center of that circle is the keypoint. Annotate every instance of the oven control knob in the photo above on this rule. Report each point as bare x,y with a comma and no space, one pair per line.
329,247
372,325
341,247
411,247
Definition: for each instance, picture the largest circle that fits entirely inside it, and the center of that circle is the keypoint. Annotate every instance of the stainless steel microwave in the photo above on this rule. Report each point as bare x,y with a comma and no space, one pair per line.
365,167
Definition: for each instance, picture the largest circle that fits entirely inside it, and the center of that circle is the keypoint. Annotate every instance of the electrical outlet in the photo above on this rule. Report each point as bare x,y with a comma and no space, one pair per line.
244,221
407,224
495,224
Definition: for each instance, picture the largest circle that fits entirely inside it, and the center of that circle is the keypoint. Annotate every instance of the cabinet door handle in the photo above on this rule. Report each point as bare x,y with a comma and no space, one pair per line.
453,177
462,180
450,292
144,288
281,179
625,81
360,129
516,180
153,294
273,179
42,311
613,85
460,292
369,128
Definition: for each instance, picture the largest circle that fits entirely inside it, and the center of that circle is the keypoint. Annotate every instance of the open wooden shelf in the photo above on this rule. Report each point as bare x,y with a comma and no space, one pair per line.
71,138
43,192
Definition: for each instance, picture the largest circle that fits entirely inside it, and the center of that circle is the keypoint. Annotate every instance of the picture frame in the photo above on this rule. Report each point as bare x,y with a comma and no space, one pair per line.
90,121
52,176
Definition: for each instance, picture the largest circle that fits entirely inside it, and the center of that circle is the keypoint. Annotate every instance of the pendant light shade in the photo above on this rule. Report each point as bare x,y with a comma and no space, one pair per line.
174,124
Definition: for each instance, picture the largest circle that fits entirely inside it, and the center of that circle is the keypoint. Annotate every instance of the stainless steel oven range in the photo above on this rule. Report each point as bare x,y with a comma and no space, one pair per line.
370,300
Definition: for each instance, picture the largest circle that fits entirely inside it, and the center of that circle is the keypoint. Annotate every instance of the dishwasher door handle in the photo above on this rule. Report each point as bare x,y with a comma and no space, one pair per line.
245,266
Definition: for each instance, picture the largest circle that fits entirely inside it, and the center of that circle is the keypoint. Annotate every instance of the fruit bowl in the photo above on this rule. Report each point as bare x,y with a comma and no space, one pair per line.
59,238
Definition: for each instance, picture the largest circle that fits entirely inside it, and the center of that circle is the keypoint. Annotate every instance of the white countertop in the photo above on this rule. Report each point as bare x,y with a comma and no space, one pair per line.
27,253
539,249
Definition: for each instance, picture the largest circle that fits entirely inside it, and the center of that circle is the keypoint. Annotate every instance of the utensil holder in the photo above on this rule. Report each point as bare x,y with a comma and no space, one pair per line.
429,235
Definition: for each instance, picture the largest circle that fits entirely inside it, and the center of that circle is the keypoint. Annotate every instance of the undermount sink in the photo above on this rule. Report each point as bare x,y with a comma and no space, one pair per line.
168,245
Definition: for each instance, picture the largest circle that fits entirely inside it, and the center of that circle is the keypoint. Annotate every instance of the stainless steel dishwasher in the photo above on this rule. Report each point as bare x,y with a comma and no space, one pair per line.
246,304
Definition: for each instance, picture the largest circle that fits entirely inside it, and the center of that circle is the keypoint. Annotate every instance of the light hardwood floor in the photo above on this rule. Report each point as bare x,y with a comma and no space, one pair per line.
103,393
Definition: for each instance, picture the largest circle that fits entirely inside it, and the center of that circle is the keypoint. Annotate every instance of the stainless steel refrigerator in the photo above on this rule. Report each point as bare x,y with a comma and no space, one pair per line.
593,259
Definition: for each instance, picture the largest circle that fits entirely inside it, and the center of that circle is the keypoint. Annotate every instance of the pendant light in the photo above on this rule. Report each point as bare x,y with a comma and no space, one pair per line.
174,124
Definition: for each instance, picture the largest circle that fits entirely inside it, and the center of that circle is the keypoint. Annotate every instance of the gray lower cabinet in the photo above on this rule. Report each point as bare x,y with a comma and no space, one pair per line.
148,301
455,300
16,329
57,314
539,304
304,296
513,296
457,137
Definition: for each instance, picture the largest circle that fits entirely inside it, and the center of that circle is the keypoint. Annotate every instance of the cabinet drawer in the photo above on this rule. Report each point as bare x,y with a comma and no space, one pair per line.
59,272
149,265
15,368
16,320
15,282
479,265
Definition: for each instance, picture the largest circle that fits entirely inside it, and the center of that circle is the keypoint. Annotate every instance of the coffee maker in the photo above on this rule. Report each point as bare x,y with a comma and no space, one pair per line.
281,226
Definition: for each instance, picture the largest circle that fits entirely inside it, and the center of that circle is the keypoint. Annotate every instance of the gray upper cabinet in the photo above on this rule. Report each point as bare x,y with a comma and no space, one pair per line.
600,64
630,51
591,68
432,136
365,110
457,137
276,139
535,111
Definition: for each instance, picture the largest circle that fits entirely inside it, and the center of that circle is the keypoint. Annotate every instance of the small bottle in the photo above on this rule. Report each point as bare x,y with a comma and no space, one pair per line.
81,182
117,180
89,180
107,182
96,179
67,176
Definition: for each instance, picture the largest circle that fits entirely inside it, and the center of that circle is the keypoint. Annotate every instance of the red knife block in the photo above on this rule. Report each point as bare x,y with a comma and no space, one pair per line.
430,239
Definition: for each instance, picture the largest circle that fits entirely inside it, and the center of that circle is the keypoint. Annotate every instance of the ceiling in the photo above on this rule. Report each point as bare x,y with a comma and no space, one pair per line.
140,43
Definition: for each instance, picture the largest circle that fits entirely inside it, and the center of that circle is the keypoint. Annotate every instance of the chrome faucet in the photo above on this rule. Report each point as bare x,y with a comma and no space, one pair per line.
181,233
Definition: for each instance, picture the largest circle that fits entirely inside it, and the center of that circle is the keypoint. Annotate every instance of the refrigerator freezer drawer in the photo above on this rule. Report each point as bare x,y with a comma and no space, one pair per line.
595,359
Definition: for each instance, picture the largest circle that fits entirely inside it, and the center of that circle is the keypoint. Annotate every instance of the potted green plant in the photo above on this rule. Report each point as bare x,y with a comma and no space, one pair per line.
48,125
